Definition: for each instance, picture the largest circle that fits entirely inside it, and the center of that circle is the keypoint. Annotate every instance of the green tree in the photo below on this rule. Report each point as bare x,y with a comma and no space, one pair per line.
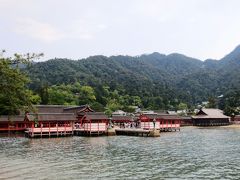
34,98
182,106
96,106
14,95
212,102
62,95
86,95
43,93
112,106
231,103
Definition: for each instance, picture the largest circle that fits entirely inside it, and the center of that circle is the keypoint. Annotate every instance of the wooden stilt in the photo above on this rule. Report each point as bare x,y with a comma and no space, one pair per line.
41,128
49,133
57,128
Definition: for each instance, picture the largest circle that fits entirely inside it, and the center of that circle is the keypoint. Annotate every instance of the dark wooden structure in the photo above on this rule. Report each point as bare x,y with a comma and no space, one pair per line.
12,123
210,117
186,121
235,119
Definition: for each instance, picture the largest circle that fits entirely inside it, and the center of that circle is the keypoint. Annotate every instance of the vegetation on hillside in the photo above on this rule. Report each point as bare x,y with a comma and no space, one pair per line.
154,81
159,81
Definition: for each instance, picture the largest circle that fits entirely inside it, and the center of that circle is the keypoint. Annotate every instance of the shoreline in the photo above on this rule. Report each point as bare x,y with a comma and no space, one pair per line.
232,126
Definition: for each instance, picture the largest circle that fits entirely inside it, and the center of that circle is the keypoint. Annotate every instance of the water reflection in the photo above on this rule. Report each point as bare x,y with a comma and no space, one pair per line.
199,153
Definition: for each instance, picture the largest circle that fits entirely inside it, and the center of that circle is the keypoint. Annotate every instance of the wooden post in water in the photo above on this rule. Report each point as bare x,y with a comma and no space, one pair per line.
65,128
98,127
41,128
32,129
90,127
72,128
57,128
49,129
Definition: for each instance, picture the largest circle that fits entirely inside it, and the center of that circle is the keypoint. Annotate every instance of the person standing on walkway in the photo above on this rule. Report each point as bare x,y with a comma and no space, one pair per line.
154,123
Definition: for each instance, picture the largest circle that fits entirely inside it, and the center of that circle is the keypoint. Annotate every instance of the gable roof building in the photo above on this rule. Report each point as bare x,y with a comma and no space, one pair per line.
210,117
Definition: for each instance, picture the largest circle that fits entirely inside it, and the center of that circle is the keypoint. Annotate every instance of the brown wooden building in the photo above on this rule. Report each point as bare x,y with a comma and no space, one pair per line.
235,119
186,121
12,123
210,117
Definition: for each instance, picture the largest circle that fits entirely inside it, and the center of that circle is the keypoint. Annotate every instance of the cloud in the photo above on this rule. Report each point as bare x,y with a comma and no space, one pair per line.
38,30
84,29
45,32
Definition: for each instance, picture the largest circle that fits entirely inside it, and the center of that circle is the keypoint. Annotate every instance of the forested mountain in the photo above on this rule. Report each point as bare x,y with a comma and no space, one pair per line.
161,81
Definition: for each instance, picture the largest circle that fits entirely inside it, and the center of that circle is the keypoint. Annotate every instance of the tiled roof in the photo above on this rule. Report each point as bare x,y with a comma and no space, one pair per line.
122,118
209,113
79,108
50,108
61,108
186,117
12,118
95,116
162,116
52,117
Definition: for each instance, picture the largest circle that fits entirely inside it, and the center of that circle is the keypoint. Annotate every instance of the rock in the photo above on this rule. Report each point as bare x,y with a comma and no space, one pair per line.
154,133
111,132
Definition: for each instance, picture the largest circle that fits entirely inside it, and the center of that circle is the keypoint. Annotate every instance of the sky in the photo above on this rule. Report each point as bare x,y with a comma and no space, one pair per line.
78,29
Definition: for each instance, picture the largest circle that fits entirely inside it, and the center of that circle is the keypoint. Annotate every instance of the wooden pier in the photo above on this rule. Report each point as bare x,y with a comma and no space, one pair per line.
138,132
49,132
84,132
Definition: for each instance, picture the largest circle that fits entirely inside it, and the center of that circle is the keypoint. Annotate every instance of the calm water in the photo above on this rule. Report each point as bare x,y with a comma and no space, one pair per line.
192,153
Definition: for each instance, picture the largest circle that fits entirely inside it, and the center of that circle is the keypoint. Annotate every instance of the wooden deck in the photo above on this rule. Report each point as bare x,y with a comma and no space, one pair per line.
88,132
162,127
12,129
49,131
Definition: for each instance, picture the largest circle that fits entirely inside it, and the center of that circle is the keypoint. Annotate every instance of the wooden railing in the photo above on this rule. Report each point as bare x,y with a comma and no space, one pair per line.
160,125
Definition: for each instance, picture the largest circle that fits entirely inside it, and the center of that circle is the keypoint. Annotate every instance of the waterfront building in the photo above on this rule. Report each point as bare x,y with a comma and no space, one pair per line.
236,119
210,117
186,121
123,121
90,123
48,120
49,124
12,123
163,122
53,120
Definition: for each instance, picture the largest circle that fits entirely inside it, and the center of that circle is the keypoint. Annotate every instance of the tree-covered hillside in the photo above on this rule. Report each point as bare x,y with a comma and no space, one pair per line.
160,81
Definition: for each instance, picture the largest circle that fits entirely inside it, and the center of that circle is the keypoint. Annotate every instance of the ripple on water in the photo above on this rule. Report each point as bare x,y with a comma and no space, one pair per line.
192,153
